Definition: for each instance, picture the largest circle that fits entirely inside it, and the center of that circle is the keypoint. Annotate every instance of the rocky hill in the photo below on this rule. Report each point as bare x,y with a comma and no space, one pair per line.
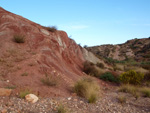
43,54
137,49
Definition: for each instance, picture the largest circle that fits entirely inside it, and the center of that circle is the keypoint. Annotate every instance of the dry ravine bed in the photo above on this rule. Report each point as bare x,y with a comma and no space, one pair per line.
107,103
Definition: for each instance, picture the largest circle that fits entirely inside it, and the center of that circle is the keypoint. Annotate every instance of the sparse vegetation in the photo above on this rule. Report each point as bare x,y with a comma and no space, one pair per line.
24,74
100,65
131,77
90,68
135,90
11,87
146,92
23,93
19,38
87,88
147,76
49,80
61,109
51,29
129,89
121,99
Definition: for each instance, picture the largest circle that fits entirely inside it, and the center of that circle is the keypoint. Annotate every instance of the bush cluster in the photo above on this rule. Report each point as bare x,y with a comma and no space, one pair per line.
100,65
131,77
87,88
108,76
90,68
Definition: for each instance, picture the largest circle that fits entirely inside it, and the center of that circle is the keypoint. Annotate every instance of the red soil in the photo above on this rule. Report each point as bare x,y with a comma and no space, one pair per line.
43,52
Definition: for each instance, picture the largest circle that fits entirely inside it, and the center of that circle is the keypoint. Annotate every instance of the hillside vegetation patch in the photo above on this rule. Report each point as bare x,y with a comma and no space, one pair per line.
51,28
131,77
87,88
108,76
19,38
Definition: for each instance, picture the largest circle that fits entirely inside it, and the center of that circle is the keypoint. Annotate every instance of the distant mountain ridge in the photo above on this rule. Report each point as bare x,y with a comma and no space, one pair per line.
137,49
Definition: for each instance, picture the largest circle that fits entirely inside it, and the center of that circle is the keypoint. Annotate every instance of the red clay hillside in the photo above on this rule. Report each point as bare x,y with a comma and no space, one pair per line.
30,53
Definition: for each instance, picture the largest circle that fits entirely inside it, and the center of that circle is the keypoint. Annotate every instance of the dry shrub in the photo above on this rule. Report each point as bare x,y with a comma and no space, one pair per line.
91,69
145,91
51,29
128,89
147,76
87,88
135,91
61,109
100,65
19,38
49,80
121,99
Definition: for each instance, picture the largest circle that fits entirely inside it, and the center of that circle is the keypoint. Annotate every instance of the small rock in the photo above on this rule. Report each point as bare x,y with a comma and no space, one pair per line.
4,111
5,92
69,98
31,98
81,102
7,81
75,100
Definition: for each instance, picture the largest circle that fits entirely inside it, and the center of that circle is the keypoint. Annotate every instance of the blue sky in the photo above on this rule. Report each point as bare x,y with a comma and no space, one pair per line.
88,22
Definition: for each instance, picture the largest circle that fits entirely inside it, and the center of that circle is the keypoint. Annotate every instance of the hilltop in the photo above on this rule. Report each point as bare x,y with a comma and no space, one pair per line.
137,49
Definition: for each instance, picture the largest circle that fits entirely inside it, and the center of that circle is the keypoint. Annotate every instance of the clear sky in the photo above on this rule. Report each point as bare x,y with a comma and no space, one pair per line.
88,22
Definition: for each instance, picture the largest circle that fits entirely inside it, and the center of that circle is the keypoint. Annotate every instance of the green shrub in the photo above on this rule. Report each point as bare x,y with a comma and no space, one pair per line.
90,68
19,38
51,29
108,76
23,93
49,80
131,77
87,88
100,65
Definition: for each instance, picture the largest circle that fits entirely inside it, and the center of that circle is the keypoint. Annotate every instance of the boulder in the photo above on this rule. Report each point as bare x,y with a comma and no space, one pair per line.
5,92
31,98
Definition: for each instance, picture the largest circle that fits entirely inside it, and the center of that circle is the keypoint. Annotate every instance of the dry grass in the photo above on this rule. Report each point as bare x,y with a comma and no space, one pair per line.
49,80
90,69
135,90
87,88
61,109
51,29
19,38
145,91
121,99
128,89
25,74
23,93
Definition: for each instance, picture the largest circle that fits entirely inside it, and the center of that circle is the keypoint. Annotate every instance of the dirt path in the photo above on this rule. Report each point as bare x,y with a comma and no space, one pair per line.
107,103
